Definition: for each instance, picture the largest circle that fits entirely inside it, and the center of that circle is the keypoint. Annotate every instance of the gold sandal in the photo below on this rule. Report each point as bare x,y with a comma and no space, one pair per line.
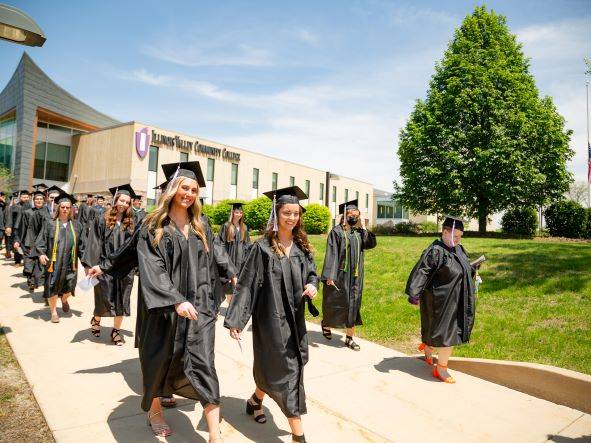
159,430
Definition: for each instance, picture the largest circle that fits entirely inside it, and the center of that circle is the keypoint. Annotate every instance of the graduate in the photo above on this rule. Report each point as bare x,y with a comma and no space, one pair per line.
2,210
175,331
106,235
85,210
24,238
58,247
343,273
138,212
233,237
13,220
442,283
277,281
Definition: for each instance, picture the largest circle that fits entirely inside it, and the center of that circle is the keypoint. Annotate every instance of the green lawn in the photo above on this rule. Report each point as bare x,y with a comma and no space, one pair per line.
534,304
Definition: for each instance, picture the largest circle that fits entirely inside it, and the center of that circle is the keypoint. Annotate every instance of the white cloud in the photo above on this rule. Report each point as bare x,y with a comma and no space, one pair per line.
307,36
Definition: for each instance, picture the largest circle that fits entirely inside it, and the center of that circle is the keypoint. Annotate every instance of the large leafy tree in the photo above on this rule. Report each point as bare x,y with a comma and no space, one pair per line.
483,140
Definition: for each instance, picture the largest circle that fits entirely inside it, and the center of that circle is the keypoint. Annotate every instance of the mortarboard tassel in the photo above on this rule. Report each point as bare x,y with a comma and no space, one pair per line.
453,228
115,195
273,216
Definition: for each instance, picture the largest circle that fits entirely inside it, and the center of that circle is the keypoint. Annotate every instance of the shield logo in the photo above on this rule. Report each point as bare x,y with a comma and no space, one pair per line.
142,142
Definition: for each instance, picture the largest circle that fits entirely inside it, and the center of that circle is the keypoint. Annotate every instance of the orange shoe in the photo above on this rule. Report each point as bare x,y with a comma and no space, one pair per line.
436,374
428,350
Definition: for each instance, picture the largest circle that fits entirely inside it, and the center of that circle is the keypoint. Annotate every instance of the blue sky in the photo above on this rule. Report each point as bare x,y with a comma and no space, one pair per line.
328,84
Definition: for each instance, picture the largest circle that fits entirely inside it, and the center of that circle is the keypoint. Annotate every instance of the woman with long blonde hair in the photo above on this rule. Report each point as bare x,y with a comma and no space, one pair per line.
105,236
234,238
277,281
175,331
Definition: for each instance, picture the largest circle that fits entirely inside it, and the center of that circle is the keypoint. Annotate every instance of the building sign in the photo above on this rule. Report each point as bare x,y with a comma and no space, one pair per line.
142,142
180,143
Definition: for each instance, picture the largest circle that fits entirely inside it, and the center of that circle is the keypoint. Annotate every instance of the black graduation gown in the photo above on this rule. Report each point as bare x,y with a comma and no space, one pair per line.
270,289
21,235
344,263
138,216
32,267
63,279
237,251
443,281
176,354
111,295
2,221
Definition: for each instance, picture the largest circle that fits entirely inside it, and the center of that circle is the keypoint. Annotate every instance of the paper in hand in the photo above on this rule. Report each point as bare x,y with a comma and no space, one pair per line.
86,284
476,263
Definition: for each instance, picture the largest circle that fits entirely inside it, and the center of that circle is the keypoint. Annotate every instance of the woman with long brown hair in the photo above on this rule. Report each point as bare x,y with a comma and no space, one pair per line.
277,280
106,235
234,237
175,330
59,246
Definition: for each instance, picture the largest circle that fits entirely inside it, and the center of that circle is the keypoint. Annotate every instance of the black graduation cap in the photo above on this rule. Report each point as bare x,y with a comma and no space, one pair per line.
2,194
184,169
351,204
15,194
89,195
162,186
289,195
54,189
97,196
37,192
24,192
122,189
202,200
39,186
64,196
236,205
453,222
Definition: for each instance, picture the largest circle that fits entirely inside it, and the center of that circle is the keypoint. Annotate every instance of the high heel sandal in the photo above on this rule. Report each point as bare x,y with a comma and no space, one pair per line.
449,379
298,438
326,332
258,406
351,344
94,324
159,430
428,350
116,337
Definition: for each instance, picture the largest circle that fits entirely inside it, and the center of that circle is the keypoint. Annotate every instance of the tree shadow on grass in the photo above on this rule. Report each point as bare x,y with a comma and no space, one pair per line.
410,365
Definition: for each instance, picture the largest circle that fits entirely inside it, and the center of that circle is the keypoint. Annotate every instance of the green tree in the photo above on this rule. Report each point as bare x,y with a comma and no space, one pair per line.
256,213
483,140
6,180
316,219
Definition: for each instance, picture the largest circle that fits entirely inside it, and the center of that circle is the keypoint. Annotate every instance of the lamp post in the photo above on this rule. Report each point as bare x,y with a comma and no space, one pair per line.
18,27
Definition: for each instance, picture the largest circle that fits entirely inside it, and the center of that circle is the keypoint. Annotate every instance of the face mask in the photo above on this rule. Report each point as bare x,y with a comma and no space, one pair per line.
352,220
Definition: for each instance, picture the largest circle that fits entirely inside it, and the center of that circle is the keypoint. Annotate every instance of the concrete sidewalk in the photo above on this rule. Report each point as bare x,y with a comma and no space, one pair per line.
89,390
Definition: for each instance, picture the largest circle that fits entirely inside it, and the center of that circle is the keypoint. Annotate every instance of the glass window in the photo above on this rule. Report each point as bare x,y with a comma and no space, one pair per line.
60,128
321,191
52,161
274,178
307,187
234,179
291,181
39,167
153,159
346,195
210,169
184,157
7,141
255,178
357,196
334,194
367,200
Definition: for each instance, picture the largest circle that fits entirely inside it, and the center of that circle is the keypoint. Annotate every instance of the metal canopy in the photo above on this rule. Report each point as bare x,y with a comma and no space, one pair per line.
18,27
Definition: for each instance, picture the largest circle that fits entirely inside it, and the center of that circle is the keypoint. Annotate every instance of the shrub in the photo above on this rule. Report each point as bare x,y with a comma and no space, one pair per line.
208,210
215,229
588,224
520,221
386,228
407,228
221,212
256,213
566,219
428,226
316,219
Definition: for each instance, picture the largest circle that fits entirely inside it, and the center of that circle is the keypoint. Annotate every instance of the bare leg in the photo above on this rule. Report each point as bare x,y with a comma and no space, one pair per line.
295,423
260,395
53,304
156,419
351,331
443,355
117,321
212,416
229,298
65,298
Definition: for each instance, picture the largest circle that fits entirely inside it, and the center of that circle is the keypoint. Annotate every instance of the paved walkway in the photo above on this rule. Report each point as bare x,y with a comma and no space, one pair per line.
89,390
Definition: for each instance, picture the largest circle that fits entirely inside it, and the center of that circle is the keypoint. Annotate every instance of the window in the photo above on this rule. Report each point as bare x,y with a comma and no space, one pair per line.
357,196
274,178
255,178
153,159
334,194
346,195
234,178
184,157
366,201
321,191
291,181
52,161
7,141
307,187
210,169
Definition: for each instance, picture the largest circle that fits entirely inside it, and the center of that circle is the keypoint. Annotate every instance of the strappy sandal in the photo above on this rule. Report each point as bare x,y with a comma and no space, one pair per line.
65,306
326,332
168,402
351,344
116,337
449,379
159,430
428,350
298,438
258,406
95,326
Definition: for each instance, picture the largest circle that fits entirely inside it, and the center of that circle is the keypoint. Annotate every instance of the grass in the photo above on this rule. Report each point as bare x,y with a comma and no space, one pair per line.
20,417
534,304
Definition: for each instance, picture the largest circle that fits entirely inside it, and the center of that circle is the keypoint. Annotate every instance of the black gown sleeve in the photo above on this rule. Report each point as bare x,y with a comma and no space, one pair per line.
222,259
121,262
158,290
331,257
422,273
94,243
42,240
368,239
246,291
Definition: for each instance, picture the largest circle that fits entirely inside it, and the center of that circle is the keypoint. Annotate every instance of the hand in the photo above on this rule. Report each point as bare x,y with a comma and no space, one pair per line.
43,259
310,291
8,231
330,282
17,244
187,310
94,272
235,334
413,301
234,281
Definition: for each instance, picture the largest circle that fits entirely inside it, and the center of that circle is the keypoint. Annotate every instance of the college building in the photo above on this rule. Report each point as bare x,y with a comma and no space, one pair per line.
47,135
